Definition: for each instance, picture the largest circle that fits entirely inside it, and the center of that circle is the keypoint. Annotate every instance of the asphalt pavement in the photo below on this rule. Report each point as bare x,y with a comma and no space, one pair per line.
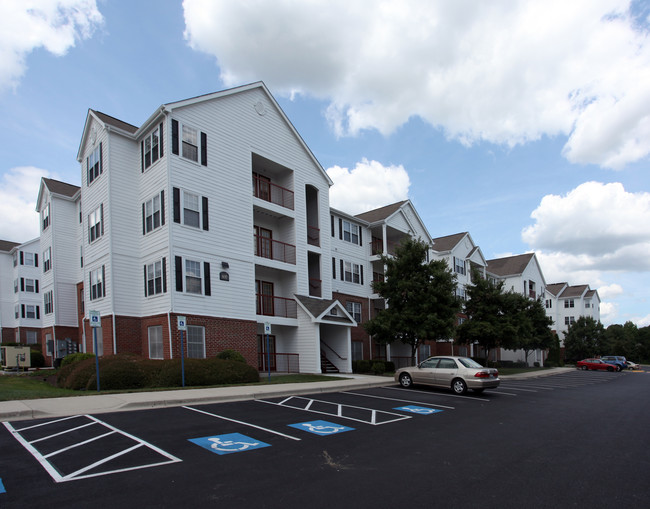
18,410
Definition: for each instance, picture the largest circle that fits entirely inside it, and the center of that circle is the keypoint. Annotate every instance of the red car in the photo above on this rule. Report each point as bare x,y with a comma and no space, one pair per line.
586,364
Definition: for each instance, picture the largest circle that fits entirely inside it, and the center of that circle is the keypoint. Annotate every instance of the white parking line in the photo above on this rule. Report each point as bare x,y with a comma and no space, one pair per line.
240,422
439,394
399,399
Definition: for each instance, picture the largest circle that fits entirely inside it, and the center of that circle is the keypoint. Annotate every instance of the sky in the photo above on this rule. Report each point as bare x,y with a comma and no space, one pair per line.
526,124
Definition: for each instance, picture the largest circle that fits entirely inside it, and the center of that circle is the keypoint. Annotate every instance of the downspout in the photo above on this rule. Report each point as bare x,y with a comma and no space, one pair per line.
170,223
111,251
169,329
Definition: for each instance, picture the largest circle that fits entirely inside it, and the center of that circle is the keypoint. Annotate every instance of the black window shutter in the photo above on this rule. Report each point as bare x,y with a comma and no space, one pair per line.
342,271
144,229
204,149
22,262
177,204
361,272
35,259
22,310
87,171
340,228
103,281
162,204
142,157
175,137
205,214
36,285
101,159
179,273
145,280
164,270
160,139
360,237
332,221
22,284
38,312
101,216
206,272
90,285
333,268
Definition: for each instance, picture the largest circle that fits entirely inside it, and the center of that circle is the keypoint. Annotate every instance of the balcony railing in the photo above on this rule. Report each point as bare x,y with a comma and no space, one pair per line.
315,287
270,305
280,362
377,246
265,190
313,235
275,250
532,294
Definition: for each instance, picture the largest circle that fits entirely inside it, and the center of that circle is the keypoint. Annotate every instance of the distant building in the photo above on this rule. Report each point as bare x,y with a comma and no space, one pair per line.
565,304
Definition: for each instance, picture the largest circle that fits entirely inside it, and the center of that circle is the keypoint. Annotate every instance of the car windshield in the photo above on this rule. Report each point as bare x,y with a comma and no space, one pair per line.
469,363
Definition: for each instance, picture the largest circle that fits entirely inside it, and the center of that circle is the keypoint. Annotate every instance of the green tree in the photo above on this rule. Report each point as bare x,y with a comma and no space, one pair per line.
491,315
583,339
536,334
420,298
621,340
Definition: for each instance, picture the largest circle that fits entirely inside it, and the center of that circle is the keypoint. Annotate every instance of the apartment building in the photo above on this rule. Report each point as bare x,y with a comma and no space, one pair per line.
565,304
20,292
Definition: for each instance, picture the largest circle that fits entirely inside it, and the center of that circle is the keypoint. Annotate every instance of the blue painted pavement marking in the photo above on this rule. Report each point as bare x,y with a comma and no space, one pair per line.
2,488
414,409
321,427
229,443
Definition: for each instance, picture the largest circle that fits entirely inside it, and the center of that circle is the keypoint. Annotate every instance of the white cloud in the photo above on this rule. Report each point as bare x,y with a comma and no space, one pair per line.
55,25
608,313
18,193
505,72
367,186
594,227
643,322
610,291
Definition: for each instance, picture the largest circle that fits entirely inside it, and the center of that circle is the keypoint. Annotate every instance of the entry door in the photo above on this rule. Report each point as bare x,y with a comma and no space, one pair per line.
263,364
264,242
264,291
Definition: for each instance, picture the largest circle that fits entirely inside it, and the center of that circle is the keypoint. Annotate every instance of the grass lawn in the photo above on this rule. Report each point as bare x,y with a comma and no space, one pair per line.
35,386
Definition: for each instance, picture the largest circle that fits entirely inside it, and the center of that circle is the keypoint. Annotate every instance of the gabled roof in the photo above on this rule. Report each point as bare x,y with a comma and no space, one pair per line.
448,242
556,288
115,122
510,265
319,310
58,188
382,213
7,246
574,291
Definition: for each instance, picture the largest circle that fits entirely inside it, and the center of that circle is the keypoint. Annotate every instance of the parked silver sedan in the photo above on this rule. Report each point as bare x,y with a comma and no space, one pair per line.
455,373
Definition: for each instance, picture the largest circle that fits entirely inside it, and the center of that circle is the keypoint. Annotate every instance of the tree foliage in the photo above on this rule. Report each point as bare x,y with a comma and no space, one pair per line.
420,298
584,339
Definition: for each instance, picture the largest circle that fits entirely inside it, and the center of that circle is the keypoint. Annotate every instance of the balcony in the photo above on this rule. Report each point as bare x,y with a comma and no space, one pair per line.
313,236
265,190
270,305
377,246
275,250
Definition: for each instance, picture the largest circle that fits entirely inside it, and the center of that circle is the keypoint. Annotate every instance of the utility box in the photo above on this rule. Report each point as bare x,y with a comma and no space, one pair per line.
15,357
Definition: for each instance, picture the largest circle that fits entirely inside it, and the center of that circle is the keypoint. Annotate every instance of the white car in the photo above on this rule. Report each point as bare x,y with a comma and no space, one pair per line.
451,372
632,365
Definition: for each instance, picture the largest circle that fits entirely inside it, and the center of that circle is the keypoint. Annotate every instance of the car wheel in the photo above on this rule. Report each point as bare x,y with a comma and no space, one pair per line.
584,368
610,368
459,386
405,380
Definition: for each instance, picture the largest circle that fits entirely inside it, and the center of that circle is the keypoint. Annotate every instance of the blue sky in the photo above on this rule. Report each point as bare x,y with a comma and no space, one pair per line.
526,124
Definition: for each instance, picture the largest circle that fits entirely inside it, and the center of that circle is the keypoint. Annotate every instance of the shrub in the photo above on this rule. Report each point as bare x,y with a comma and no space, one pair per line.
390,366
378,368
361,366
118,373
76,357
37,360
231,355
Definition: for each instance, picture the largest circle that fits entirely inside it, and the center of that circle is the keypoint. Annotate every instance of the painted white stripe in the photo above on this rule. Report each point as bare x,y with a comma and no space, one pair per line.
470,398
101,462
241,422
39,457
399,399
308,404
62,432
47,423
78,445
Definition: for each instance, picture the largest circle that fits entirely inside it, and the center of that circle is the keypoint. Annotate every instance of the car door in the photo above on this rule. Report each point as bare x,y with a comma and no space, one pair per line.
445,372
424,374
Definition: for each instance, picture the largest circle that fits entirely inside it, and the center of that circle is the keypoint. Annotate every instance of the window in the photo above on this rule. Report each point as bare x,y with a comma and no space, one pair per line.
48,301
96,224
459,265
351,272
31,285
152,147
194,209
569,303
155,278
424,352
155,342
461,293
32,337
16,285
357,350
47,259
17,311
195,342
587,304
153,213
350,232
193,278
549,303
29,259
94,164
97,287
569,320
45,217
30,311
189,139
354,308
15,257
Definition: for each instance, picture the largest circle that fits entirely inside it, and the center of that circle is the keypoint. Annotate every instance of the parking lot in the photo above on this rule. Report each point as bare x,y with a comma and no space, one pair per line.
354,448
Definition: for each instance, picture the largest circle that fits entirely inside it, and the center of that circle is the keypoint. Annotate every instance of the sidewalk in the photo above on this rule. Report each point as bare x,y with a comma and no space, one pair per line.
19,410
102,403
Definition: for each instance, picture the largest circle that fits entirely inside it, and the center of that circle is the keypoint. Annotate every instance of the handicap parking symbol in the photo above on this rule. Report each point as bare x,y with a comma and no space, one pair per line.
321,427
229,443
414,409
2,488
